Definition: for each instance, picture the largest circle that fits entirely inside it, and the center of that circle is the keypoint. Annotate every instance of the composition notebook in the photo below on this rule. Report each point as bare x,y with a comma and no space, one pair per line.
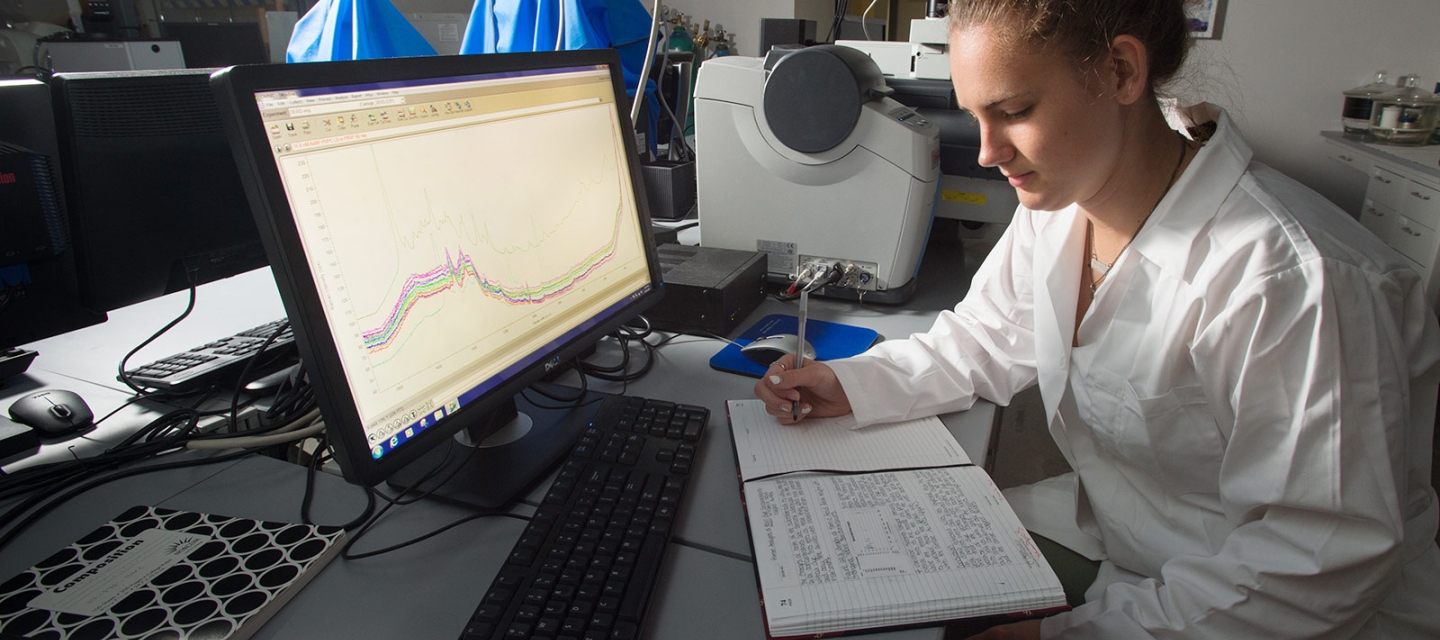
161,573
882,527
831,340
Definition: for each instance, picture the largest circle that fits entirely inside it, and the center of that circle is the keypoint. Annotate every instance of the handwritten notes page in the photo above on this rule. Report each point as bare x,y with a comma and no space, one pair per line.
839,552
767,447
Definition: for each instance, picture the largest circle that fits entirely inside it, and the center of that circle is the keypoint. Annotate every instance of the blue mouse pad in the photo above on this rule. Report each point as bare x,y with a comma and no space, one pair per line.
831,340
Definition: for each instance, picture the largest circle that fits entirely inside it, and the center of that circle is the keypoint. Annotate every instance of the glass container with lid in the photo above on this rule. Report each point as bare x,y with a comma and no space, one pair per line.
1355,115
1404,116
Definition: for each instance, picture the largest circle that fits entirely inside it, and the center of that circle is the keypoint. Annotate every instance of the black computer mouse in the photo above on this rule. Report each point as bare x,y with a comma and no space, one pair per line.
53,412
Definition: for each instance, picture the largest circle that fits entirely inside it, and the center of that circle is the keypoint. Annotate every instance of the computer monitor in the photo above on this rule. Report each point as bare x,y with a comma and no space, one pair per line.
444,230
39,289
154,198
218,44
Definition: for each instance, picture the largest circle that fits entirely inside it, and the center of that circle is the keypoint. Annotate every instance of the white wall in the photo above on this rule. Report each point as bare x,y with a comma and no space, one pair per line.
1279,68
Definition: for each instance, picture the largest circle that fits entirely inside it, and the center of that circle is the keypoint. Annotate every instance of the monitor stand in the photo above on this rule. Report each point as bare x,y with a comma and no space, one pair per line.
509,460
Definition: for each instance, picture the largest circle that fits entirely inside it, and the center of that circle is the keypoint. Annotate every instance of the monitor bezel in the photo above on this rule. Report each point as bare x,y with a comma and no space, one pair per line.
236,88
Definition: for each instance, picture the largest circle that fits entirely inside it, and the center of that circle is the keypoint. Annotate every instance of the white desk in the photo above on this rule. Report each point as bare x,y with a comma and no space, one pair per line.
707,587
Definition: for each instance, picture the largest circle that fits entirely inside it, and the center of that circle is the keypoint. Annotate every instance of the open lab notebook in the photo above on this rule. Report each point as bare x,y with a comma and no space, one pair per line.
881,527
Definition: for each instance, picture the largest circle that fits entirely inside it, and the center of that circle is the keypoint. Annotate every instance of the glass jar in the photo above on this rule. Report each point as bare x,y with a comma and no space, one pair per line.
1355,114
1405,116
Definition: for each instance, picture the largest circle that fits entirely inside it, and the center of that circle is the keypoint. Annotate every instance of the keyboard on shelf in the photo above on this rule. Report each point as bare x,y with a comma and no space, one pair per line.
218,362
587,563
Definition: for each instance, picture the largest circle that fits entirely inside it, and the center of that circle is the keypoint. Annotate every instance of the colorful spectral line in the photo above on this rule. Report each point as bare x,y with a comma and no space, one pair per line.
452,275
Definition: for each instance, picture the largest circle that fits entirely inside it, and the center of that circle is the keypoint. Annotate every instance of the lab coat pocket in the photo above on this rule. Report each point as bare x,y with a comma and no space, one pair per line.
1170,437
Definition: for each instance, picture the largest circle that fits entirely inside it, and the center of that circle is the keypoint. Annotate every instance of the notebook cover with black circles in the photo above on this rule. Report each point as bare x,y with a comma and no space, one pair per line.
831,341
154,572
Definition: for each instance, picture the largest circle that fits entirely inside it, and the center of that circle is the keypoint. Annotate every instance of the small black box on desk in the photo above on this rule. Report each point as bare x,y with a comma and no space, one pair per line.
707,290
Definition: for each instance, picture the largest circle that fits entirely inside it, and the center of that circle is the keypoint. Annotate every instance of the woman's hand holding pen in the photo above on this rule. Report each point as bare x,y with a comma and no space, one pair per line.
814,388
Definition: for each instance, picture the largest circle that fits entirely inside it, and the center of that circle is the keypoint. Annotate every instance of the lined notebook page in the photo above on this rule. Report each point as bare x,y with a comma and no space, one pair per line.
766,447
912,546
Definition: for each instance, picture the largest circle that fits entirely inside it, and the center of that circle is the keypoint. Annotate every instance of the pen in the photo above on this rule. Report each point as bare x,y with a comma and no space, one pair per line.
800,345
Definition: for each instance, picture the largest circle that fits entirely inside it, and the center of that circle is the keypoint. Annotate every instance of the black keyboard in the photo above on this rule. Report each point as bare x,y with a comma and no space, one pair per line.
585,566
218,362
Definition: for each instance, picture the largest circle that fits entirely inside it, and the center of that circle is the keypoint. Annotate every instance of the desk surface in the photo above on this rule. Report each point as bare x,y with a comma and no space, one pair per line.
707,588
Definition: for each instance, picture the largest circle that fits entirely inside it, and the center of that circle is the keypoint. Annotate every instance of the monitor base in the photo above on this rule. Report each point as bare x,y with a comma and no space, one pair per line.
507,463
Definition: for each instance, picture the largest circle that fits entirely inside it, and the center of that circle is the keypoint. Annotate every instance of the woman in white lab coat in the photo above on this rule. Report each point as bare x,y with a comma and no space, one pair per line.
1242,377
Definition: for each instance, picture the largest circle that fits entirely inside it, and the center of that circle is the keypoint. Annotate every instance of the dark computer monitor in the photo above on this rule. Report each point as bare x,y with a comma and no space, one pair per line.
39,286
444,230
154,199
218,44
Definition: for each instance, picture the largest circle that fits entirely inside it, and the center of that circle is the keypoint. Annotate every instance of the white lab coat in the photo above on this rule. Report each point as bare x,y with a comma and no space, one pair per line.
1249,415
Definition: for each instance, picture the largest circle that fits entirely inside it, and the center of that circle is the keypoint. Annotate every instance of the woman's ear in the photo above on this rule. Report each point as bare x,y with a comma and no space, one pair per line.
1130,66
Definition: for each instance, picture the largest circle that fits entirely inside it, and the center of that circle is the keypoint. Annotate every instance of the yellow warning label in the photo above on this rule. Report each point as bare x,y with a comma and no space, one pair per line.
963,197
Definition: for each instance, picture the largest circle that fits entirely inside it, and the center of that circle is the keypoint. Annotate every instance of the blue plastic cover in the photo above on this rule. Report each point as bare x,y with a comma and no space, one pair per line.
354,30
508,26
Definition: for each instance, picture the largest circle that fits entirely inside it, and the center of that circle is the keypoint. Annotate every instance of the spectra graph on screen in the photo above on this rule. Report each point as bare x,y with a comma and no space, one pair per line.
450,245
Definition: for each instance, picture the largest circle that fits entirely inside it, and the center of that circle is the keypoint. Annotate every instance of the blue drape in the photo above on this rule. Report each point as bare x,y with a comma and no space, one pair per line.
363,29
506,26
354,30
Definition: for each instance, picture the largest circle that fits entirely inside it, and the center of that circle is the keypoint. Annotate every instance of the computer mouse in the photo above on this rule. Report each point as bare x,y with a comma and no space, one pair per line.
52,413
769,348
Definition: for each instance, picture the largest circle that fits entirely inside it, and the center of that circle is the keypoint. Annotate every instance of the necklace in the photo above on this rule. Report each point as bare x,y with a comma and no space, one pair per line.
1103,268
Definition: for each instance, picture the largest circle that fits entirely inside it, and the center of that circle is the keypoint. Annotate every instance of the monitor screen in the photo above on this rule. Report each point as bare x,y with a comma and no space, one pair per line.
443,230
154,199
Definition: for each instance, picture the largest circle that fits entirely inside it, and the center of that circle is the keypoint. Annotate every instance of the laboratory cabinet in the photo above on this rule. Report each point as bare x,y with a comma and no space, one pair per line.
1402,200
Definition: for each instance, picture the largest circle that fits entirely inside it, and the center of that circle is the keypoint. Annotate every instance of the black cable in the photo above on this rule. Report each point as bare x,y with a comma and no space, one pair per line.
124,377
345,553
675,124
293,397
310,470
400,500
56,500
48,478
245,373
158,425
638,332
841,8
625,374
625,335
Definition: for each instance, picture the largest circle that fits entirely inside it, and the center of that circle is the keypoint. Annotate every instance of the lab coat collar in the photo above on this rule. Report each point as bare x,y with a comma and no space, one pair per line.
1059,249
1166,239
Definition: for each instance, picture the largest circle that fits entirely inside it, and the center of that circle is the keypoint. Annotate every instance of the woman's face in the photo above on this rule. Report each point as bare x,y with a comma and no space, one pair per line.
1052,131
